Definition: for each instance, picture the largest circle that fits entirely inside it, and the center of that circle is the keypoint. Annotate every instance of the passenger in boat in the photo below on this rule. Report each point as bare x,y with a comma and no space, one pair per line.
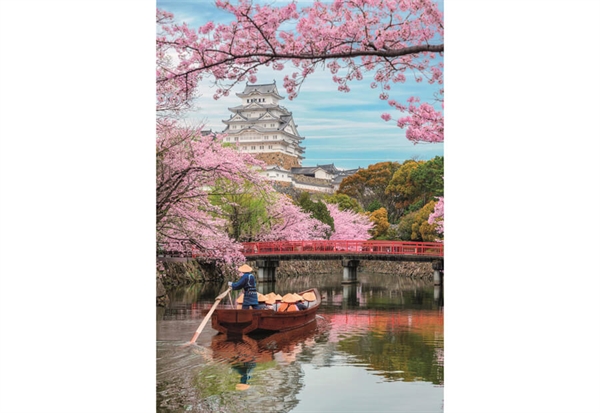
269,302
309,297
277,302
288,303
301,304
265,302
248,283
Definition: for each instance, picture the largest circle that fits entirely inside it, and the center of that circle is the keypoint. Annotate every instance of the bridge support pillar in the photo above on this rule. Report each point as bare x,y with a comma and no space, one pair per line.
350,267
266,270
438,268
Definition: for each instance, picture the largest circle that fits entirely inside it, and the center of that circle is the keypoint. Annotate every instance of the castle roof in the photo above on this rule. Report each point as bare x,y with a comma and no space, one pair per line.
264,89
261,129
258,106
330,168
304,170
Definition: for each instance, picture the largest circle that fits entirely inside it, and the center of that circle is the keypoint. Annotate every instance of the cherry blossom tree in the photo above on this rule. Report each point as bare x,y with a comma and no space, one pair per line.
437,217
173,95
192,169
189,164
387,39
289,222
349,225
390,38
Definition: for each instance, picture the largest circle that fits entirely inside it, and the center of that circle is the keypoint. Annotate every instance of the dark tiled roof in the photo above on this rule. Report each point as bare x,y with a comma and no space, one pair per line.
303,169
269,88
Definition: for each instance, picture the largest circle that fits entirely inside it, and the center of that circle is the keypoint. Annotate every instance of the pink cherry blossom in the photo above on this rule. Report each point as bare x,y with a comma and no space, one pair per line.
437,217
349,225
290,223
391,38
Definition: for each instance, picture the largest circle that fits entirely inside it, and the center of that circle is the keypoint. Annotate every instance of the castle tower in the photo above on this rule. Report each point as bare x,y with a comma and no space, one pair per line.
263,128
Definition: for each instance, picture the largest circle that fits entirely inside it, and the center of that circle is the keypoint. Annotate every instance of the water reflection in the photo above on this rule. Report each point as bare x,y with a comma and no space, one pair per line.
350,295
389,328
244,369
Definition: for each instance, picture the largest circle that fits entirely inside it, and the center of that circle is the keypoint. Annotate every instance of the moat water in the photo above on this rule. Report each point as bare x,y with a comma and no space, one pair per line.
376,346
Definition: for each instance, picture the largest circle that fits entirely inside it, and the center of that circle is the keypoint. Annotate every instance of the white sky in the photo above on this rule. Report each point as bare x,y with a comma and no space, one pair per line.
77,202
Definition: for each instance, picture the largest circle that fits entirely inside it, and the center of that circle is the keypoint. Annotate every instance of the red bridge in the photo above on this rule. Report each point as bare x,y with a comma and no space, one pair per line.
268,254
374,250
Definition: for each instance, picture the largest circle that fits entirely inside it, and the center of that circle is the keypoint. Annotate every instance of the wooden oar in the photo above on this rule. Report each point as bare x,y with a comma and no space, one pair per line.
212,309
230,300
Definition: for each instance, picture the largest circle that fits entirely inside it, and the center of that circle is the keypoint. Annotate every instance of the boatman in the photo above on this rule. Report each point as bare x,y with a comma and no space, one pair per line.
248,283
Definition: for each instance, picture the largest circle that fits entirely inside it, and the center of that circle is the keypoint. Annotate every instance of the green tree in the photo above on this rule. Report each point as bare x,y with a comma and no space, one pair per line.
243,206
369,185
416,183
317,210
380,219
402,187
374,206
344,202
414,226
428,179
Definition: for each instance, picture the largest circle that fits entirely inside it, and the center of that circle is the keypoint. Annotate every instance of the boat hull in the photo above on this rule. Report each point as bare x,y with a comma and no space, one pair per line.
238,322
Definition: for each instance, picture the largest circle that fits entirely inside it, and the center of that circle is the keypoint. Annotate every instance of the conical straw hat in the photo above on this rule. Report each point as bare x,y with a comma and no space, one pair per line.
270,299
245,268
262,298
278,297
240,299
298,297
310,296
289,298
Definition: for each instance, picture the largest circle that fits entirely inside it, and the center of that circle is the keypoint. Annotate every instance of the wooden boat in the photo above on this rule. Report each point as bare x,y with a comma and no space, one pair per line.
237,322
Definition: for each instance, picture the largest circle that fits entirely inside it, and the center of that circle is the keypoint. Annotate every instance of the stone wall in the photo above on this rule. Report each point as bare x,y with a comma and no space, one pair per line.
312,181
172,274
420,270
278,158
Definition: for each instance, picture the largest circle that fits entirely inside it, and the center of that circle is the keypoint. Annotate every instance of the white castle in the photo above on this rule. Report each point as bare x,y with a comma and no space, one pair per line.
263,128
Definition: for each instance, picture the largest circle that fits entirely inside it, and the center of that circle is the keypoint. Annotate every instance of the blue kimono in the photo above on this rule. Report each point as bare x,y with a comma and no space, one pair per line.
248,283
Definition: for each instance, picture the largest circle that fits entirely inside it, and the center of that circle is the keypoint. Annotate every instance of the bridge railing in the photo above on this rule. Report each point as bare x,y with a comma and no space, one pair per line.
435,249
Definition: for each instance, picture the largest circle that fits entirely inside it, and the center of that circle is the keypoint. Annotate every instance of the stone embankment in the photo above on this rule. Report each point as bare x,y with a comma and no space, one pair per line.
173,274
405,269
